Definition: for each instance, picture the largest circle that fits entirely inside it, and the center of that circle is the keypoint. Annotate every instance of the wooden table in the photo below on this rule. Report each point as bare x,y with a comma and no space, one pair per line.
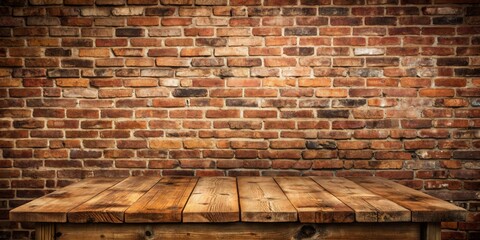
237,208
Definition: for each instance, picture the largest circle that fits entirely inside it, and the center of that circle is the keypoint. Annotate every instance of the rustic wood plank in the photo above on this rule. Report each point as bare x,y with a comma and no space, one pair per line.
213,199
241,231
44,231
424,207
54,207
313,203
431,231
262,200
110,205
164,202
368,206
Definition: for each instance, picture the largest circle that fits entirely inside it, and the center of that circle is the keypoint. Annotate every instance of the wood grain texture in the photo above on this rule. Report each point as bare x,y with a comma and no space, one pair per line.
431,231
368,206
214,199
424,208
164,202
54,207
110,205
313,203
241,231
44,231
262,200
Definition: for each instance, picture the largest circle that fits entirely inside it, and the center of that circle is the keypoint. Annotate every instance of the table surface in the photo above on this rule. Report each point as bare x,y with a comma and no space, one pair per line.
229,199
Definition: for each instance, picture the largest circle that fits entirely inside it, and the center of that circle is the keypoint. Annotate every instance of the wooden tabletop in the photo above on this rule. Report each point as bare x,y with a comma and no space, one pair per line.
246,199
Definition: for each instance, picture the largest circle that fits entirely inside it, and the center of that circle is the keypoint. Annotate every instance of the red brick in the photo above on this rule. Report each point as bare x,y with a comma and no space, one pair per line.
368,114
199,31
28,183
176,21
249,144
34,143
226,92
186,114
261,92
168,103
260,114
395,174
349,41
323,154
291,144
145,42
369,31
139,63
311,21
339,93
279,125
130,124
280,41
164,124
245,2
346,21
280,62
15,113
364,92
280,154
347,62
244,22
450,82
291,164
244,62
114,93
11,62
368,11
352,145
193,52
415,82
436,92
82,113
437,113
280,2
435,133
437,51
222,113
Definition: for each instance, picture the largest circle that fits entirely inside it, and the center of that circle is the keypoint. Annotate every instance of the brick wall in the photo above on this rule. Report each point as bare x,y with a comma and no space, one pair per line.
112,88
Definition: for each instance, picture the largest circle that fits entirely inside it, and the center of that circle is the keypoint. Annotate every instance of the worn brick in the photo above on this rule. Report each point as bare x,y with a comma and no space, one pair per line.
241,87
129,32
159,11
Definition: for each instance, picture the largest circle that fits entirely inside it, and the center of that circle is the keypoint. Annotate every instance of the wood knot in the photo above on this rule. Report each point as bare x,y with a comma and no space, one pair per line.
307,231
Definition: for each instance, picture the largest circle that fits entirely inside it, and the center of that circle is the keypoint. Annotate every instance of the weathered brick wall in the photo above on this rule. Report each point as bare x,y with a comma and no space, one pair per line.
108,88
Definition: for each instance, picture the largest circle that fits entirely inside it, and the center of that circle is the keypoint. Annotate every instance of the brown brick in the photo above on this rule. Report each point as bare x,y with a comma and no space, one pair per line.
245,2
78,2
163,52
142,2
381,21
193,52
30,31
11,21
244,62
129,32
211,2
159,11
165,144
176,21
